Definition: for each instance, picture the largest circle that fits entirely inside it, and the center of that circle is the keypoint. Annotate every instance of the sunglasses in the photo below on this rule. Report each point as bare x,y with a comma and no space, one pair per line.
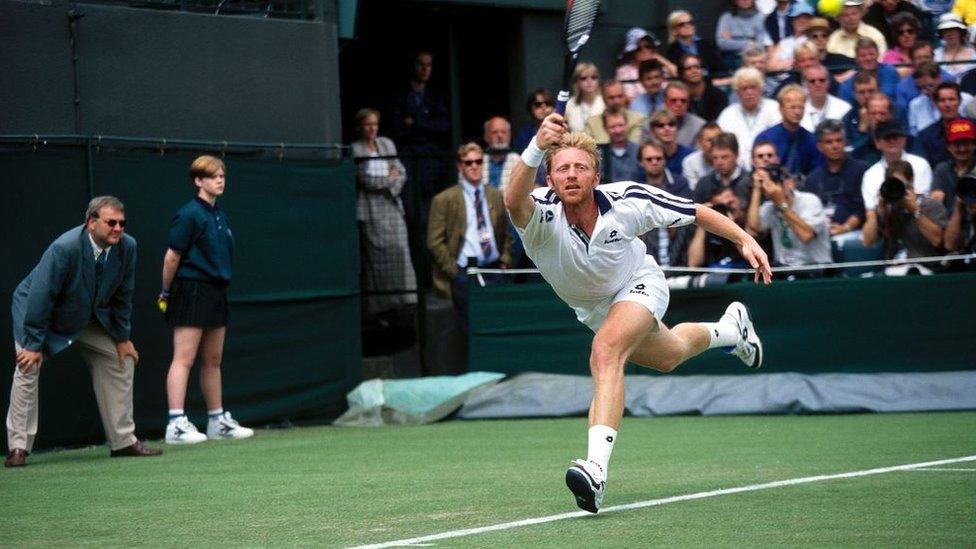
588,77
477,162
537,104
817,80
653,159
906,31
818,35
765,155
676,100
665,125
112,222
684,23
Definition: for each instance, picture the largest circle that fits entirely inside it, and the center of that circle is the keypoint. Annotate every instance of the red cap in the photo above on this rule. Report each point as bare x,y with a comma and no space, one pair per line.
960,128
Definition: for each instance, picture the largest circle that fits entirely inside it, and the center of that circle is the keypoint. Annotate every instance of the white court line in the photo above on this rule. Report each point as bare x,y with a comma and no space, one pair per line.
943,469
662,501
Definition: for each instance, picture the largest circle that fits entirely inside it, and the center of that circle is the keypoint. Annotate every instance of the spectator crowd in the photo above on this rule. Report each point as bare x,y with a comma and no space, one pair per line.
829,136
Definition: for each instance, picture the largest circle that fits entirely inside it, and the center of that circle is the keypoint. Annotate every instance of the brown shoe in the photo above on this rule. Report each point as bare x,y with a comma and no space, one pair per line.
136,450
16,458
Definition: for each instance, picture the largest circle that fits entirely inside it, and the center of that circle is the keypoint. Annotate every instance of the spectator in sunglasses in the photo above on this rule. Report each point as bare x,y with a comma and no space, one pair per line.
662,128
884,15
586,100
538,106
640,45
905,29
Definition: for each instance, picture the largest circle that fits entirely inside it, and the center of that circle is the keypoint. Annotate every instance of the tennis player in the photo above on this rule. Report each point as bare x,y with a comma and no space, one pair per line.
584,240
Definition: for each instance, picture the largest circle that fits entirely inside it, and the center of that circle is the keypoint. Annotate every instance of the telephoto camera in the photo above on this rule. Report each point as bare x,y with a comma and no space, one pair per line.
966,188
892,190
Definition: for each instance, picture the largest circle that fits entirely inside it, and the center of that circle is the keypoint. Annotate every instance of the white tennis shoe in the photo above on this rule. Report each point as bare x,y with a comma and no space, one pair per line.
749,348
225,427
181,431
587,481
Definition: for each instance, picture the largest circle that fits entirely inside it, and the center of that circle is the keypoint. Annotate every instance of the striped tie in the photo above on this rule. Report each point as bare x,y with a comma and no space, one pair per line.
100,262
483,232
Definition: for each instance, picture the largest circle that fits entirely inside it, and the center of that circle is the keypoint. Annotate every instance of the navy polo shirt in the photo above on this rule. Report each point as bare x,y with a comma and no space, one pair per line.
797,151
202,236
842,189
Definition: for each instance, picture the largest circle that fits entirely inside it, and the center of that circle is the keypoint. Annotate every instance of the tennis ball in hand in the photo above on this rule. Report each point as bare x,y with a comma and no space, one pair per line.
830,8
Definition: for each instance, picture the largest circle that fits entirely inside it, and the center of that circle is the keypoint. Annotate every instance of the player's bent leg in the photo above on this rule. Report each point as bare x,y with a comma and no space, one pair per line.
627,324
665,349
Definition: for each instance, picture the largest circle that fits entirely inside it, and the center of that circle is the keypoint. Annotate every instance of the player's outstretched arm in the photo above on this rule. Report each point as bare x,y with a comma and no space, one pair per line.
522,182
716,223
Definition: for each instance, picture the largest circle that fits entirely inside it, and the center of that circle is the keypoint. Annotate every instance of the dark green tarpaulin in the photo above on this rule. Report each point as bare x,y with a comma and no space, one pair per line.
898,324
293,344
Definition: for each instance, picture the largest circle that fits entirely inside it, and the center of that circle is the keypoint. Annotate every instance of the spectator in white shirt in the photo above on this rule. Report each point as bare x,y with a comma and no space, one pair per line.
820,104
752,114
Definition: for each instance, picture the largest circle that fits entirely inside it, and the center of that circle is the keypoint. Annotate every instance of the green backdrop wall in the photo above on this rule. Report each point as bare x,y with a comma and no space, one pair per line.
898,324
293,344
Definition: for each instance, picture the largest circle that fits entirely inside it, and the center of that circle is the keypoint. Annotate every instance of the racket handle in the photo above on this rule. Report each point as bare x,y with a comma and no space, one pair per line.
561,99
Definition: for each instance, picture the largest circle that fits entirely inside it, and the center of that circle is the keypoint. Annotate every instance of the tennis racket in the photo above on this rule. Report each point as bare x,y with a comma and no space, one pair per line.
580,16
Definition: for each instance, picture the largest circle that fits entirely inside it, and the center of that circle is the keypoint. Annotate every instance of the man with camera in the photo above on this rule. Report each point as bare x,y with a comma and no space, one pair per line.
797,220
961,138
905,220
891,139
960,233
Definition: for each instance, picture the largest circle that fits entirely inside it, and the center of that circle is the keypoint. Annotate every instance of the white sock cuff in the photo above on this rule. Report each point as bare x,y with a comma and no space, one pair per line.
603,432
722,334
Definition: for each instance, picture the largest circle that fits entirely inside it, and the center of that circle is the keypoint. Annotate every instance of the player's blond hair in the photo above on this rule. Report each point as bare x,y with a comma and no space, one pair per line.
574,140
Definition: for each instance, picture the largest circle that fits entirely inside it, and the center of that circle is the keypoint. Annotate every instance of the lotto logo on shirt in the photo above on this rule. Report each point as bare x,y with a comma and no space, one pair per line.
639,289
612,237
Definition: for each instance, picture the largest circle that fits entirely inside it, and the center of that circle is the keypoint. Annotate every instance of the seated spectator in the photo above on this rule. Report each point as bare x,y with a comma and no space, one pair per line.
882,15
639,46
706,100
906,28
739,28
656,173
752,114
935,8
777,23
663,128
960,232
820,105
852,28
867,60
613,96
818,32
907,90
890,138
961,138
467,225
622,162
676,101
922,111
954,49
795,146
539,105
906,220
668,246
697,164
879,110
501,158
781,55
756,57
682,40
796,219
856,121
586,100
386,264
837,183
763,154
805,57
708,250
652,79
727,172
931,141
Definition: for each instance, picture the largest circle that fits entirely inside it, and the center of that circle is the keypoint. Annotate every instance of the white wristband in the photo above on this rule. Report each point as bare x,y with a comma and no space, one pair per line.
532,155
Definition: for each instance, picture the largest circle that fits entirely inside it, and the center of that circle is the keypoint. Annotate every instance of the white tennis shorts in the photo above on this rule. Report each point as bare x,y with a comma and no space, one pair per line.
646,287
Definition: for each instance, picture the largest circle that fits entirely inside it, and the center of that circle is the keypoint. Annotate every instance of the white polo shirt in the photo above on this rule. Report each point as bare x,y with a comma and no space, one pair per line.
834,109
874,177
582,269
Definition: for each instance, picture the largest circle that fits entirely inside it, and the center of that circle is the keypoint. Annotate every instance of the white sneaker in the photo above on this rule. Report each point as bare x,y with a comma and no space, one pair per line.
226,427
749,348
587,481
181,431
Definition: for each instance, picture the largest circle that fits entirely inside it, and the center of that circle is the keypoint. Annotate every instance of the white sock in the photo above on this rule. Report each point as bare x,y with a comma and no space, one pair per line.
175,413
215,414
601,439
723,334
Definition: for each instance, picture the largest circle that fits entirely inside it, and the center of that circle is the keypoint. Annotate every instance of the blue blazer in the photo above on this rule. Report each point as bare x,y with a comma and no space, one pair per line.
60,297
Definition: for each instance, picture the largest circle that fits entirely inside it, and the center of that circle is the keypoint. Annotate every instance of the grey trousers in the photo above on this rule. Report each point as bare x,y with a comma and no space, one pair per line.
112,385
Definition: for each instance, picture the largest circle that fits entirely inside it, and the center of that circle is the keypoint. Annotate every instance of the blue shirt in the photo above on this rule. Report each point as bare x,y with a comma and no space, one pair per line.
797,151
907,90
625,166
888,80
647,103
201,235
841,190
674,161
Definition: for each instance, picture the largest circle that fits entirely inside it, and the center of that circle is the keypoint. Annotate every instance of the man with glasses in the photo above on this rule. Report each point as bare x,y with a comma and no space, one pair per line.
662,128
669,246
677,98
923,110
818,32
795,146
907,90
705,100
79,295
651,75
467,227
838,181
820,104
614,96
891,138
